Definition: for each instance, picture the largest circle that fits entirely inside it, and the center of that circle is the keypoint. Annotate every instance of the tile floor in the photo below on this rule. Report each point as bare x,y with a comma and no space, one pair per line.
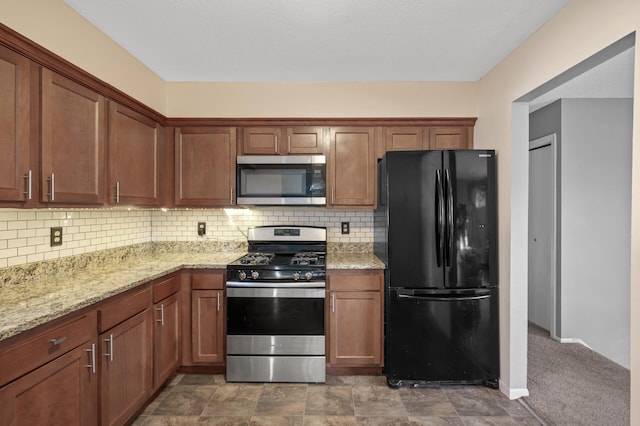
343,400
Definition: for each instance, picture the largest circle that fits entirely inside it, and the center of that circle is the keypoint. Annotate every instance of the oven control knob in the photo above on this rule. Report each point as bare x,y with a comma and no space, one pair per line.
242,275
308,275
255,275
296,276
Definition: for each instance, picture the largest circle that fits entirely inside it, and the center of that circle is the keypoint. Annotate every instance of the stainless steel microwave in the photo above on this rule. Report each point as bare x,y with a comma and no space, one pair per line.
293,180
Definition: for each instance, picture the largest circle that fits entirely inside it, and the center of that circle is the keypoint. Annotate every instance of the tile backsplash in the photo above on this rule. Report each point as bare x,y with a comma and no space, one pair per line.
24,234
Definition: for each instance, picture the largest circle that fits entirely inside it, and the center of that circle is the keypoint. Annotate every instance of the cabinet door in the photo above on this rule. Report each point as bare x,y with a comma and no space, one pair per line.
126,368
450,138
62,392
205,166
353,167
305,140
15,125
261,140
207,325
166,339
73,130
355,328
405,139
133,157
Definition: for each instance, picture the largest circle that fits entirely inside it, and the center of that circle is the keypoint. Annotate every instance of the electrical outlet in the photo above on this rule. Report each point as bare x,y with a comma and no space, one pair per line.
345,228
56,236
202,229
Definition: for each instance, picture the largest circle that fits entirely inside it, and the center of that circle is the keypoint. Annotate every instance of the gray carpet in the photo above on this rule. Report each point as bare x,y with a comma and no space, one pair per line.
570,384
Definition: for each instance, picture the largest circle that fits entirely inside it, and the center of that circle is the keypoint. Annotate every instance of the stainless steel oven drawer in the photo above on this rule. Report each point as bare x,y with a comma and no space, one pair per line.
275,345
304,369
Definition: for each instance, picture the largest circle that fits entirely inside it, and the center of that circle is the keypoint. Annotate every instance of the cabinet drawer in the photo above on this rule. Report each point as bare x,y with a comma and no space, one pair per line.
207,280
122,308
355,281
25,356
166,287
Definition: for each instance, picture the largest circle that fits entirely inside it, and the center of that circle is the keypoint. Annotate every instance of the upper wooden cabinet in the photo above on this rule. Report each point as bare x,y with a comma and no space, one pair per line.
282,140
352,167
411,138
450,137
133,152
72,146
405,139
205,166
16,172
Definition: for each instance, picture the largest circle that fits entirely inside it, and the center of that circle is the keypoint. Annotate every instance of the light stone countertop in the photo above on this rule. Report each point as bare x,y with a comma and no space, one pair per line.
353,261
51,296
26,306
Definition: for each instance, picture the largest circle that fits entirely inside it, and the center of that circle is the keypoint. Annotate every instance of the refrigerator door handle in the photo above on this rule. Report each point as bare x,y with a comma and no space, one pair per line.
450,222
444,299
440,211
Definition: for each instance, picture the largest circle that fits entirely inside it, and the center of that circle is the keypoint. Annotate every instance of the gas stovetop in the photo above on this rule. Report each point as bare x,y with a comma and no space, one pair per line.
279,253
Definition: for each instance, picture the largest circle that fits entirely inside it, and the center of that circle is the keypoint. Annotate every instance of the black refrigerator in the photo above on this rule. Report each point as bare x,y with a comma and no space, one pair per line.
435,229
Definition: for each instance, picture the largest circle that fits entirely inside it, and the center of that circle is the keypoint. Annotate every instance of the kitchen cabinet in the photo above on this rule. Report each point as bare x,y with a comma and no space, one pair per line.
133,154
205,166
352,167
16,170
405,139
450,137
73,129
355,314
126,350
207,317
56,371
283,140
166,335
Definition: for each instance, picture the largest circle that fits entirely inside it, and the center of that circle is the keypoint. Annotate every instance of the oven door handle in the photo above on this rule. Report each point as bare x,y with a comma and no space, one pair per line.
286,284
274,293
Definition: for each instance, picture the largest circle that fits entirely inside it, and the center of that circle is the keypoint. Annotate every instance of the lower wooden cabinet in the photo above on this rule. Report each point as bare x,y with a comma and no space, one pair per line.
126,369
355,314
63,390
207,326
166,336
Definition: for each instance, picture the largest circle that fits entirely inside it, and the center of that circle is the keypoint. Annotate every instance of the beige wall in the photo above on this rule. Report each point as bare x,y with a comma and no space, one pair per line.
425,99
580,30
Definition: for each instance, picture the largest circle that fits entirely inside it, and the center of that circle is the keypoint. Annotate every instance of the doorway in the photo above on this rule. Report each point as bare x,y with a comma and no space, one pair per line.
542,233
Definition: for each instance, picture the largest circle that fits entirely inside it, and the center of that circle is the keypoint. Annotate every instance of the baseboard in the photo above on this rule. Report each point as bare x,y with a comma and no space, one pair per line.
513,393
571,340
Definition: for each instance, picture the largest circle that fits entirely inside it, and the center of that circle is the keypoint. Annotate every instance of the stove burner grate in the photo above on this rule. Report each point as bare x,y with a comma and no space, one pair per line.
257,259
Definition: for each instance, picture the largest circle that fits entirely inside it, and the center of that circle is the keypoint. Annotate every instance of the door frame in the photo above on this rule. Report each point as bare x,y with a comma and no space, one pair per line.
551,140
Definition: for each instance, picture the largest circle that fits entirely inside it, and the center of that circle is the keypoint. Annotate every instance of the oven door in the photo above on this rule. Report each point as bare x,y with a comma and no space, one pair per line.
279,320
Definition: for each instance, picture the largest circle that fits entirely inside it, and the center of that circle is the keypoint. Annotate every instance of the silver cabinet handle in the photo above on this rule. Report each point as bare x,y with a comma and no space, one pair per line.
288,144
218,302
29,178
92,366
58,341
276,144
52,194
231,198
117,188
333,302
109,354
161,309
333,194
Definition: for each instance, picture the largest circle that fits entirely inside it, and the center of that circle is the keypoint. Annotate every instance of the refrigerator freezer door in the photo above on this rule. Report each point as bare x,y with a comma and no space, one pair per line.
470,199
442,337
414,197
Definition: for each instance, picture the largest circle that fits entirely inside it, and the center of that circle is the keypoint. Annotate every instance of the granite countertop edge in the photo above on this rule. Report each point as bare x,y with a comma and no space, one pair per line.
26,306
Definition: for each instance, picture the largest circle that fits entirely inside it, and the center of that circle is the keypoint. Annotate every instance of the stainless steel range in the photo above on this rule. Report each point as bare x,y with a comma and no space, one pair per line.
276,307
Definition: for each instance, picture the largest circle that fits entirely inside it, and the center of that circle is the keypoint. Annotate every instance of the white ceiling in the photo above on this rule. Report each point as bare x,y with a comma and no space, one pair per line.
321,40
